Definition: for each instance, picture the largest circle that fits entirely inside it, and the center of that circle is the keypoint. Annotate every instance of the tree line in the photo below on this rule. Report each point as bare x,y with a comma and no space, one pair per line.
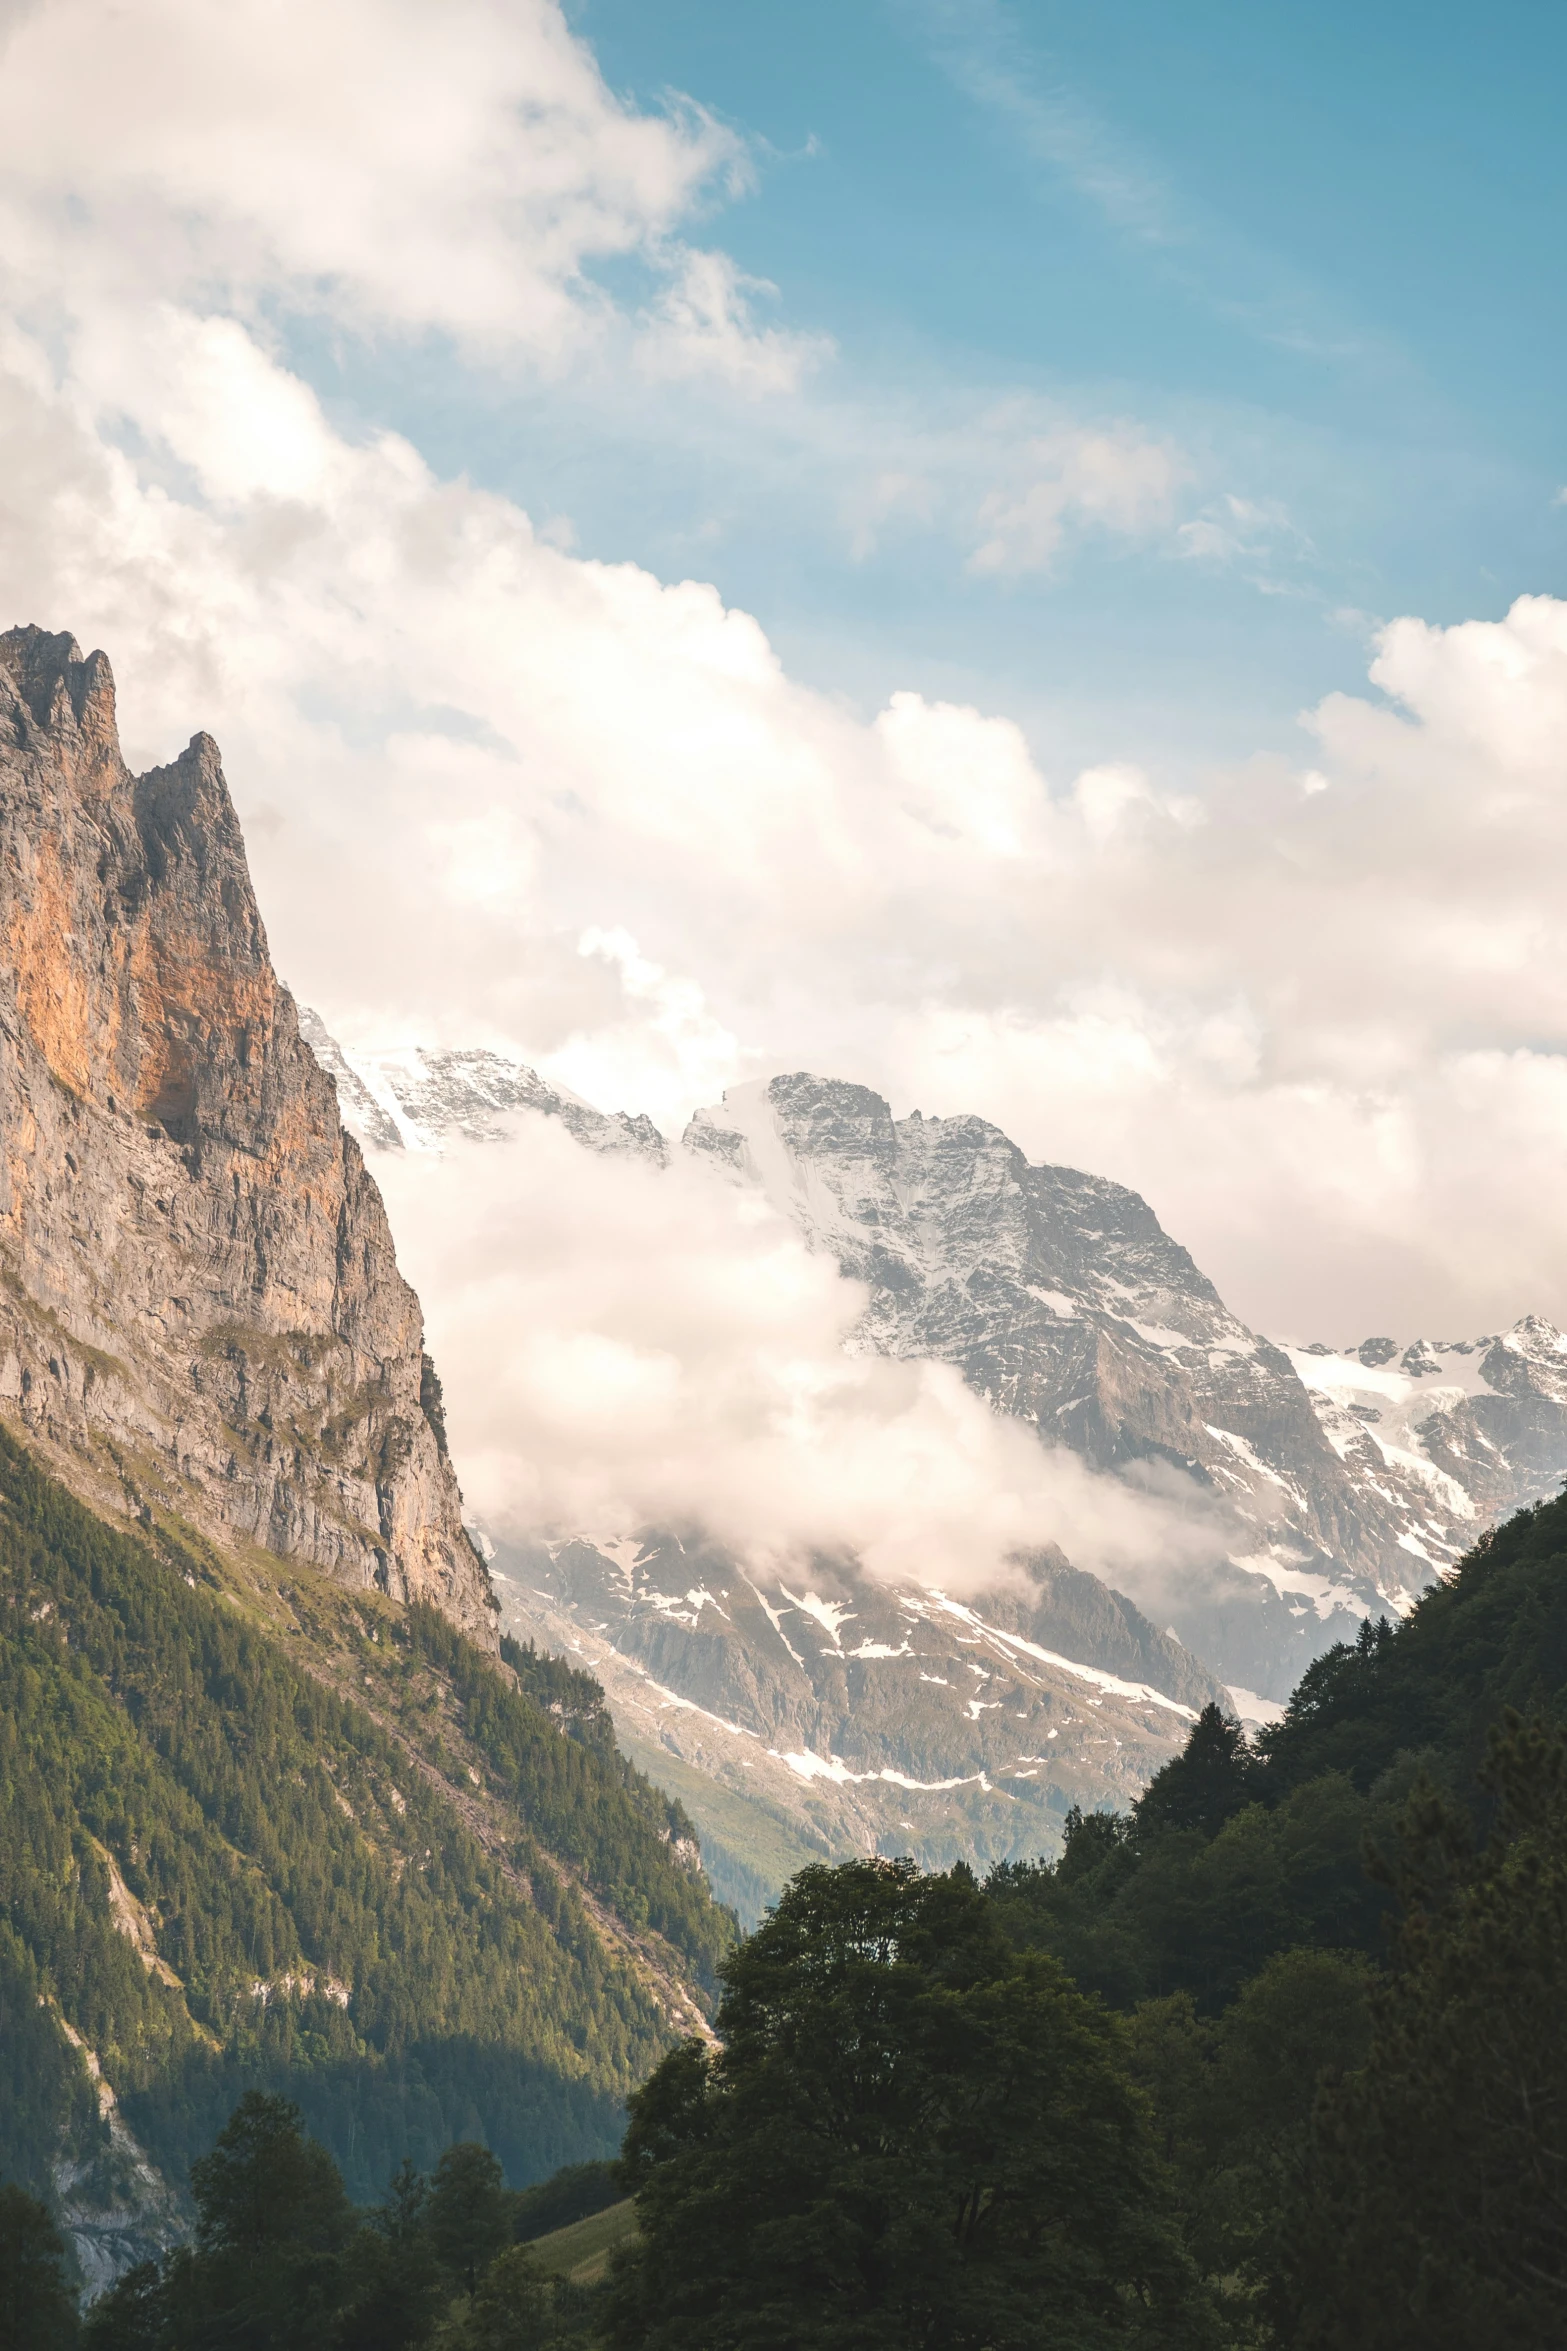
325,1922
1274,2062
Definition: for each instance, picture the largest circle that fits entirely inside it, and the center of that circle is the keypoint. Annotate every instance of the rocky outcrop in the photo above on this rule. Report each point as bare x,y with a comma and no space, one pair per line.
199,1297
421,1097
1342,1482
817,1713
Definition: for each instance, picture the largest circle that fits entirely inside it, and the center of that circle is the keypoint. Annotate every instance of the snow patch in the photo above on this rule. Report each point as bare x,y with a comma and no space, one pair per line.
1252,1709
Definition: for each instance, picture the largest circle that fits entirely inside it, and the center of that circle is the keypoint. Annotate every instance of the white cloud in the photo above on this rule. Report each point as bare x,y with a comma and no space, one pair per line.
1117,479
1273,1008
1252,531
629,1347
453,168
668,1051
704,323
1316,1011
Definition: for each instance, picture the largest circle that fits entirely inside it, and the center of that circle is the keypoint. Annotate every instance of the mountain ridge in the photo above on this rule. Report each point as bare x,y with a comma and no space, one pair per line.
1353,1479
284,1833
852,1716
200,1308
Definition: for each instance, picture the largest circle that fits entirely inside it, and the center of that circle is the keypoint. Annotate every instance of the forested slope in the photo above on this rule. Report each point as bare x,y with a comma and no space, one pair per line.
259,1831
1233,1855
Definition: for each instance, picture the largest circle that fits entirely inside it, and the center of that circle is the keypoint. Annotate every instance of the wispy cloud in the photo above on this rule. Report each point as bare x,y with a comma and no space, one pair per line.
982,54
980,47
1118,479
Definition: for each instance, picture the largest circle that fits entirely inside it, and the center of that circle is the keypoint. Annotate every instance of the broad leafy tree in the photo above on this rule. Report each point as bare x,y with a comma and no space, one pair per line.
470,2213
910,2136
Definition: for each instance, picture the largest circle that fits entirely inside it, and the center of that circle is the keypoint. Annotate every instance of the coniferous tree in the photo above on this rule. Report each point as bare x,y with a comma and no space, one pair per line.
132,2316
1434,2214
1215,1776
37,2305
397,2285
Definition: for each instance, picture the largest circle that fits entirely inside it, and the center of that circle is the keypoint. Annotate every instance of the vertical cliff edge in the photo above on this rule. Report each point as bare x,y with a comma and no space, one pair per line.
200,1307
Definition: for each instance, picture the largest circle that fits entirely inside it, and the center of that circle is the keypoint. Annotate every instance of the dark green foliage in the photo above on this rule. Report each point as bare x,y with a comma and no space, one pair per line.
589,1808
418,1989
131,2316
395,2283
1234,2099
1268,1969
37,2303
573,2194
470,2213
1495,1636
46,2099
268,2270
1089,1839
1215,1776
909,2137
512,2309
1175,1911
574,1698
280,2262
1231,1856
1434,2213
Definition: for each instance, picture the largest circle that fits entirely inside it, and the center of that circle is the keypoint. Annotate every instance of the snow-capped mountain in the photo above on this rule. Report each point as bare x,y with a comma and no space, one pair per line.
807,1715
1470,1428
1339,1481
1350,1479
1060,1298
414,1098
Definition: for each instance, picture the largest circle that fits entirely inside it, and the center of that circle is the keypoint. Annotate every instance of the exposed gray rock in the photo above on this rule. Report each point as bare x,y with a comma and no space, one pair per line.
817,1713
200,1307
1346,1481
1458,1432
418,1097
1061,1298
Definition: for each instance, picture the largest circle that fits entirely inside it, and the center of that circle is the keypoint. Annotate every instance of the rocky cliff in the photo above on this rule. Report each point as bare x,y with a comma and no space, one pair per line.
200,1309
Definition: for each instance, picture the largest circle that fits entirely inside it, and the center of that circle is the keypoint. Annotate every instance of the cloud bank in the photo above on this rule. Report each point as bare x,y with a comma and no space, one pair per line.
633,1347
1316,1010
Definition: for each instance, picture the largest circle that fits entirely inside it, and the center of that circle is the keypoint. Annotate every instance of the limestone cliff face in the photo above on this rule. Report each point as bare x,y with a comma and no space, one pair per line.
199,1297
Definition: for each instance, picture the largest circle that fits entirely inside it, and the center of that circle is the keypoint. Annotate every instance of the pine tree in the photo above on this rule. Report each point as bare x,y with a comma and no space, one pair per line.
1434,2216
37,2306
1215,1776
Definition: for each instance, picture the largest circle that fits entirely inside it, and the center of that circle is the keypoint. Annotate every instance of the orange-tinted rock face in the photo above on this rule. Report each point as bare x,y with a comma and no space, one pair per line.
198,1290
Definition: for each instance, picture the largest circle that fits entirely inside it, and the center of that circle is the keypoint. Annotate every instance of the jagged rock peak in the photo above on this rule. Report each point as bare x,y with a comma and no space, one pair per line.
951,1195
420,1097
199,1296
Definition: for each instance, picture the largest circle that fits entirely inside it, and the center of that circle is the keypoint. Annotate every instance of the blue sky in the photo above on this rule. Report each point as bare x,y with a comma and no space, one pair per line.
1009,554
1316,252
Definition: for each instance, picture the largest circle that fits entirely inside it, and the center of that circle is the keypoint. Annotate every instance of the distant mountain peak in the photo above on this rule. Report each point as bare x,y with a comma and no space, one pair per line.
1062,1300
419,1097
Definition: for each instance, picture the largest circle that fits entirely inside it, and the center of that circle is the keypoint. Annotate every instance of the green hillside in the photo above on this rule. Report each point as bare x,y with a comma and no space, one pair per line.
582,2251
1232,1856
256,1831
